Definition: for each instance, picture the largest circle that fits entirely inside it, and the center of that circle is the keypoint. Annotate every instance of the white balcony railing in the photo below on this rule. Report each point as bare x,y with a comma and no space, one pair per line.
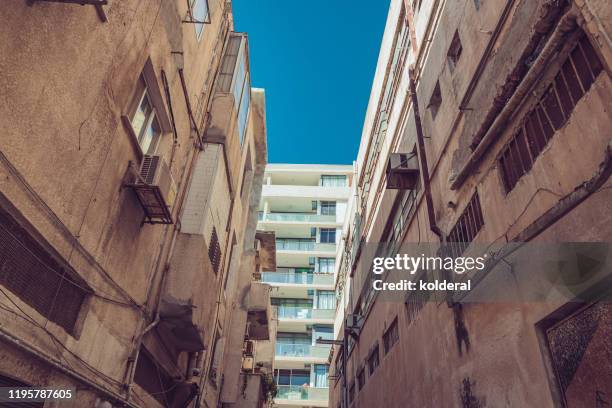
322,279
283,244
302,350
302,393
297,217
303,313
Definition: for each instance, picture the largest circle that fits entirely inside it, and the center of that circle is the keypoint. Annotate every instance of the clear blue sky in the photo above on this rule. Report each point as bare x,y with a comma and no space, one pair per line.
316,61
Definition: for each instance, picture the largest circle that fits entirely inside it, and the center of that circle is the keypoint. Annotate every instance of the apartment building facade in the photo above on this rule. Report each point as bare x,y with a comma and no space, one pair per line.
501,110
131,162
305,205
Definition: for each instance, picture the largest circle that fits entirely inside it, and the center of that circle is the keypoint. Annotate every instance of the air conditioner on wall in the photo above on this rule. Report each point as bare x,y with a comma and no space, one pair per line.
402,171
155,189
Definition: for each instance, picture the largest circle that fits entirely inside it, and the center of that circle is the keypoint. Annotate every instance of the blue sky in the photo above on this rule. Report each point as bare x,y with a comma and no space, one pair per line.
316,61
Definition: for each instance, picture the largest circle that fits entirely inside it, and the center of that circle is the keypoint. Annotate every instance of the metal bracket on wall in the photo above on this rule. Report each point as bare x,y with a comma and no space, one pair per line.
96,3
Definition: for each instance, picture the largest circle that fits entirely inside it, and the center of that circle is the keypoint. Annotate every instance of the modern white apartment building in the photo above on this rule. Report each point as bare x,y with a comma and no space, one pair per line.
305,205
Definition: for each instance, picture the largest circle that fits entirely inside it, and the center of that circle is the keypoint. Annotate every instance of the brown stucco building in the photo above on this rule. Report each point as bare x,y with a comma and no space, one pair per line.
131,166
511,143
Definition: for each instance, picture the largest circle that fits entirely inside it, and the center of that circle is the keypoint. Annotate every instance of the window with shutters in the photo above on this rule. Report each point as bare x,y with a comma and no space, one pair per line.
555,106
42,280
214,250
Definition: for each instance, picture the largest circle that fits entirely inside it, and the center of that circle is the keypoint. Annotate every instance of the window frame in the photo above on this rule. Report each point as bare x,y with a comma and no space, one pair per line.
199,24
149,118
328,233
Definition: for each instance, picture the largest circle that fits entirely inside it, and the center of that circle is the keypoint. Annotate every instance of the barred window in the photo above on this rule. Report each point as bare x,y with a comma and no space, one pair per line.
552,111
467,227
391,336
43,281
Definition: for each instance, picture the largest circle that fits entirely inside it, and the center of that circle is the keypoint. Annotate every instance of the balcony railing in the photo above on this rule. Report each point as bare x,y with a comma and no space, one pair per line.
298,217
323,279
300,312
303,245
302,393
302,350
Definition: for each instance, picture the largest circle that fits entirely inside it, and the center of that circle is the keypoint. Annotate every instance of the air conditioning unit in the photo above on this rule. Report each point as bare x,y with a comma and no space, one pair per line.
154,171
156,189
402,171
353,321
248,363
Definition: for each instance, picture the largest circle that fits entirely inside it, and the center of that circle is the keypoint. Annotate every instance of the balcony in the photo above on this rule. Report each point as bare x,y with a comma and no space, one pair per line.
305,313
292,278
259,311
300,395
304,245
297,217
302,351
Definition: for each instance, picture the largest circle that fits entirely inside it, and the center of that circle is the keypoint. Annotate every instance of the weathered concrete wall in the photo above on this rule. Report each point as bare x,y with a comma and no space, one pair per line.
67,79
486,354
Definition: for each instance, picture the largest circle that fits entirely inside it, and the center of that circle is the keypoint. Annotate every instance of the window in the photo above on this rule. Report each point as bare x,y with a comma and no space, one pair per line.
153,378
234,78
40,279
454,51
435,101
214,250
373,360
297,378
144,121
391,336
324,332
467,227
333,181
8,382
328,208
328,235
361,379
327,265
326,299
199,10
551,112
320,372
314,205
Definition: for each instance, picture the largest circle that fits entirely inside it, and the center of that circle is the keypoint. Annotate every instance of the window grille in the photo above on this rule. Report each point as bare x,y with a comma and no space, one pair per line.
552,111
50,287
466,228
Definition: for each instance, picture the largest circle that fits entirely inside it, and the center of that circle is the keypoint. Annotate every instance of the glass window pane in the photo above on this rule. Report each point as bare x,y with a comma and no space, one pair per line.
200,13
148,141
141,115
